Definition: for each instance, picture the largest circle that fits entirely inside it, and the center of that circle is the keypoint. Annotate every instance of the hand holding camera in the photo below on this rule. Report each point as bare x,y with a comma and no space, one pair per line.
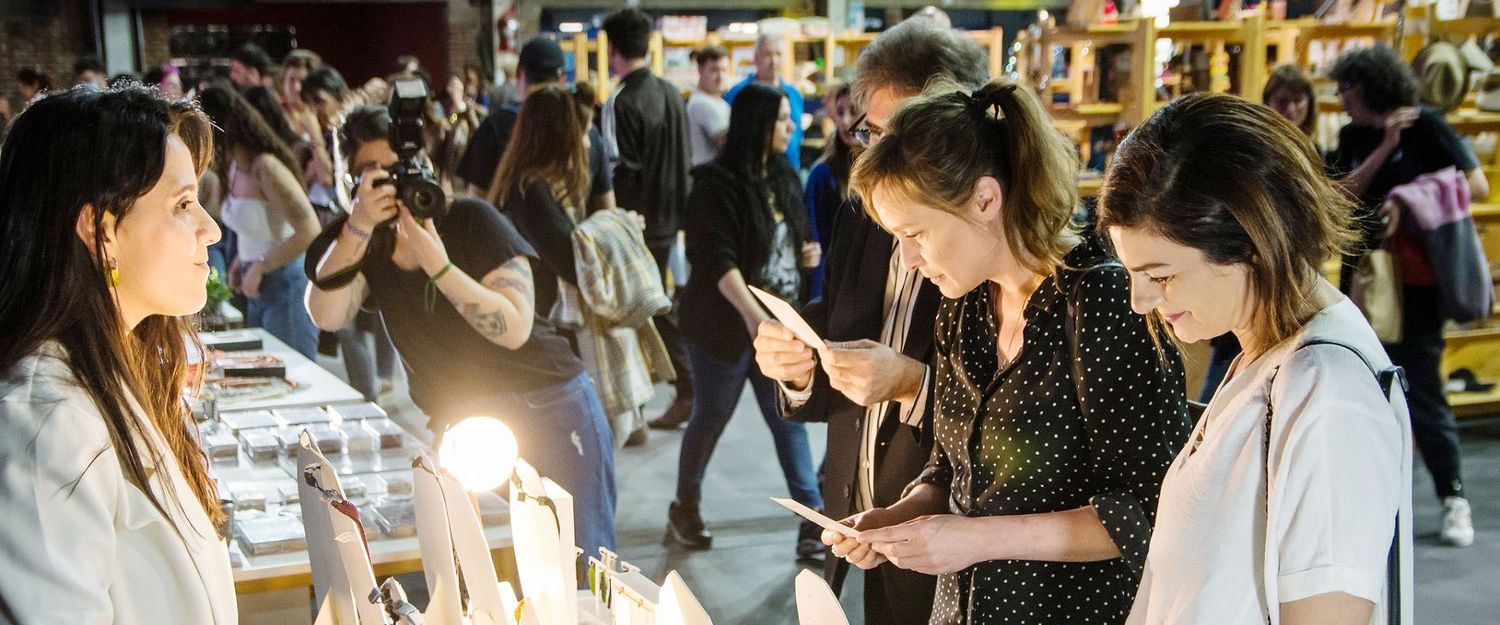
423,240
374,201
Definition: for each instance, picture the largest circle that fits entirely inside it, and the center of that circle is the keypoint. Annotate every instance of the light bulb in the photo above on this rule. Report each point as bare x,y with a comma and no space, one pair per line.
480,452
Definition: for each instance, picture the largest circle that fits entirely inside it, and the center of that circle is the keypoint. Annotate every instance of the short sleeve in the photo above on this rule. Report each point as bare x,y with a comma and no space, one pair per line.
59,488
482,157
1131,398
1336,446
1451,148
479,239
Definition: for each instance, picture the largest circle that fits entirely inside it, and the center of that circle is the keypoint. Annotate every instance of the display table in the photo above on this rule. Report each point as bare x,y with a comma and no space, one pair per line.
277,587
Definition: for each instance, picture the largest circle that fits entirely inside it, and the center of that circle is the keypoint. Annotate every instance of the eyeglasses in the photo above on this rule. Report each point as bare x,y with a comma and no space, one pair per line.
865,135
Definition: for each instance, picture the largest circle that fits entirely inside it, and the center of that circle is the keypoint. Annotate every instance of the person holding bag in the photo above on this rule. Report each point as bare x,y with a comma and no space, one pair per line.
1291,503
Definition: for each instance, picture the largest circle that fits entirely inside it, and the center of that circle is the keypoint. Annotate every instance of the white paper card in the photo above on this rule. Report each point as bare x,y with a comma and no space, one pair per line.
678,605
789,317
816,517
816,603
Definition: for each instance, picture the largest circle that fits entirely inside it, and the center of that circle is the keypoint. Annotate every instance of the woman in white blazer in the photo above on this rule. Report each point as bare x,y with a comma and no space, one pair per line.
109,514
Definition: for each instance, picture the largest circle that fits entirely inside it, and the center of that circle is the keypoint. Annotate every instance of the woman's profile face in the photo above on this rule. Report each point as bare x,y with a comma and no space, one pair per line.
1198,298
843,115
161,245
781,133
955,253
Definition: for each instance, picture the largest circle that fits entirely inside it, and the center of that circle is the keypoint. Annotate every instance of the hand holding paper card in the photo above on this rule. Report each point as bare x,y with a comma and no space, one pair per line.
816,517
788,317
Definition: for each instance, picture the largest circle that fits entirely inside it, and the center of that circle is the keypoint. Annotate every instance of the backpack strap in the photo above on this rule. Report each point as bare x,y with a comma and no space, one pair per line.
1388,379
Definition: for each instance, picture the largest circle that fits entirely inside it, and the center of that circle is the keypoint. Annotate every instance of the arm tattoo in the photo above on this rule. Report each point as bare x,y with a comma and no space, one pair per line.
521,285
490,324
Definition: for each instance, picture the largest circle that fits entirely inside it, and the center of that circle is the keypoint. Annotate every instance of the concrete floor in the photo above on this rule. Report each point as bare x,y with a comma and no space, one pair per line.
746,579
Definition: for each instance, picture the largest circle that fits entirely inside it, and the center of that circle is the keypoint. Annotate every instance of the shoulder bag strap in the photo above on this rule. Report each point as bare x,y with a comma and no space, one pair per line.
1388,379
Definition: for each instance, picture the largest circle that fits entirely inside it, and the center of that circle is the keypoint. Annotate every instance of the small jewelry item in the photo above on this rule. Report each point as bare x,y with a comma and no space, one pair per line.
354,230
113,275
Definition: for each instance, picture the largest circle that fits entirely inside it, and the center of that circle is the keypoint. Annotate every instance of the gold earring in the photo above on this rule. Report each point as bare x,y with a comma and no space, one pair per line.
113,274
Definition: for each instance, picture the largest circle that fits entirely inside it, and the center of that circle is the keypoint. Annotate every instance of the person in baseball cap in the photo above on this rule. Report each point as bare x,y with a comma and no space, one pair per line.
540,61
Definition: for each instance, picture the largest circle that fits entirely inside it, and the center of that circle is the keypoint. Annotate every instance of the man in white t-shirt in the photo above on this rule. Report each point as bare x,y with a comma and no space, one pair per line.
708,113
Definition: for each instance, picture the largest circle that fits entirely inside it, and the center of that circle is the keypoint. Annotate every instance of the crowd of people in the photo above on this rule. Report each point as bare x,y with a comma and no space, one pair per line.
1000,376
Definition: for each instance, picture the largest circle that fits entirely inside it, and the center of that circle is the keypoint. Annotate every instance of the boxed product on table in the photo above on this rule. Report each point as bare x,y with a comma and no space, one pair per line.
302,416
249,419
236,341
390,435
326,438
260,445
221,446
395,484
396,518
270,534
250,366
247,497
357,412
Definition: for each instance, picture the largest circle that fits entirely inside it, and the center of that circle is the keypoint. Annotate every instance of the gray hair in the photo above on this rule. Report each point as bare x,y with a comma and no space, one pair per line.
768,39
913,53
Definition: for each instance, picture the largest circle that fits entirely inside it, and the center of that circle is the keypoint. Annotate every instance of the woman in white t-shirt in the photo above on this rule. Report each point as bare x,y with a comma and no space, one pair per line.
1283,507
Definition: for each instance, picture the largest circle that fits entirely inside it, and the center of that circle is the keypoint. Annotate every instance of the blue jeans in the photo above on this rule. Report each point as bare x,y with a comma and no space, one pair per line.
716,389
562,431
366,370
280,309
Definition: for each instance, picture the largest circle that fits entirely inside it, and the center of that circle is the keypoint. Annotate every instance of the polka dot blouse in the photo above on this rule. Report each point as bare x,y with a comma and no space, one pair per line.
1067,423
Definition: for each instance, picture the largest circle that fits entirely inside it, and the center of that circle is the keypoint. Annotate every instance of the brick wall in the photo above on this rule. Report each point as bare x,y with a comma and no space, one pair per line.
53,43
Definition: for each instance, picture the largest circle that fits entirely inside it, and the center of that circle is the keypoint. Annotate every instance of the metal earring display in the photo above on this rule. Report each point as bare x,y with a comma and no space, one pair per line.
113,273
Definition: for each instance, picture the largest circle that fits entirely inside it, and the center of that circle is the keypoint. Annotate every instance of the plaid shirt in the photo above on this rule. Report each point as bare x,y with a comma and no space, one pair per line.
619,291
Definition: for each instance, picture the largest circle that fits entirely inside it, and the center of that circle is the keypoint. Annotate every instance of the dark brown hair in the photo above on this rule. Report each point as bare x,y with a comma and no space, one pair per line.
238,125
1238,182
548,144
1291,78
101,149
709,54
939,144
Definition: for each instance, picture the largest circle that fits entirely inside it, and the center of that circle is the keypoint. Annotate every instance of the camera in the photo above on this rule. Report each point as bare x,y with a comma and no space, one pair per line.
416,186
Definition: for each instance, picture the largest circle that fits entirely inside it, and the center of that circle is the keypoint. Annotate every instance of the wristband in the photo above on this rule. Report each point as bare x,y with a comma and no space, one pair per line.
431,291
354,230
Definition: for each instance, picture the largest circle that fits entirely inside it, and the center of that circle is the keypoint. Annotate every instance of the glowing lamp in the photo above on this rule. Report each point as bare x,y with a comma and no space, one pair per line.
480,452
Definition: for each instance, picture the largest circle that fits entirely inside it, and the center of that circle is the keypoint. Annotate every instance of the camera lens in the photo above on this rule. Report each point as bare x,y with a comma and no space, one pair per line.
423,196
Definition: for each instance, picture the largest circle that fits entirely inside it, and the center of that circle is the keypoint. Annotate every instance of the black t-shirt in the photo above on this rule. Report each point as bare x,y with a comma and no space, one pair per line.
541,219
449,364
487,147
1429,145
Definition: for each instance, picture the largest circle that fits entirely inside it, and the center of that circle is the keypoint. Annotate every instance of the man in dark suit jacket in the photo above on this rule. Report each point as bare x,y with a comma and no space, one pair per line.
646,136
871,387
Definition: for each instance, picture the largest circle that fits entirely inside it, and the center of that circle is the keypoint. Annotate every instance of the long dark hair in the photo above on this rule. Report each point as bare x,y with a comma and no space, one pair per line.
748,155
1238,182
103,149
752,119
265,103
237,125
548,143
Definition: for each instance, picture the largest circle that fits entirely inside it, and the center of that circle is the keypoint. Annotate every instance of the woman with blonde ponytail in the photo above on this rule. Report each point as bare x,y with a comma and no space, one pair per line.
1057,409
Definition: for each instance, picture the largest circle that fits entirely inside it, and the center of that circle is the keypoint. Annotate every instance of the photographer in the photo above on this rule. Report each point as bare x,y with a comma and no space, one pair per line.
457,296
